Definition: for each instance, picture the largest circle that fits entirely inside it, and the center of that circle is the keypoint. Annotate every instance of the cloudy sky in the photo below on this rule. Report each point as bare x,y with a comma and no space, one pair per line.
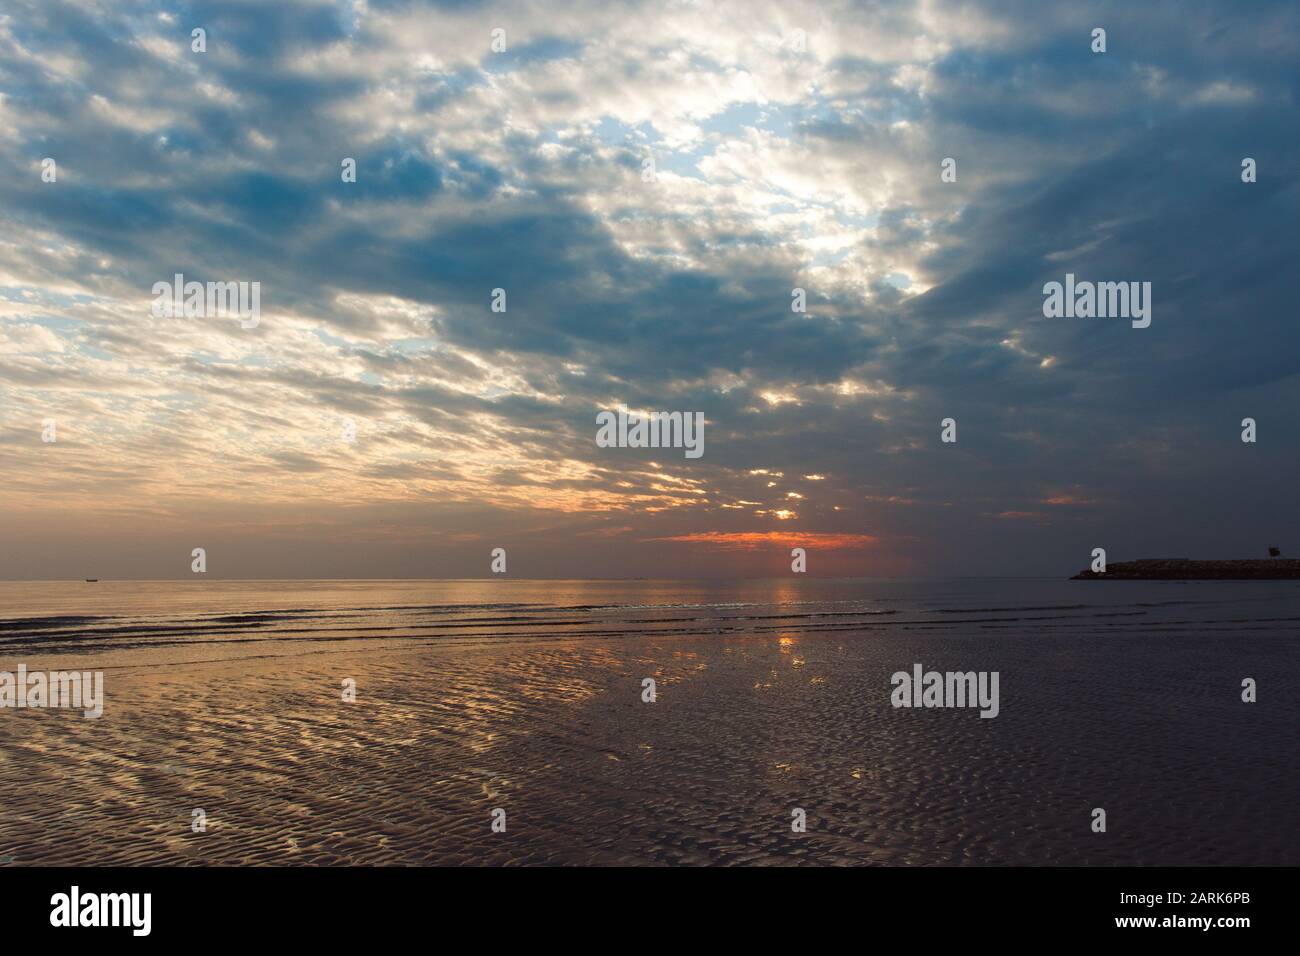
794,145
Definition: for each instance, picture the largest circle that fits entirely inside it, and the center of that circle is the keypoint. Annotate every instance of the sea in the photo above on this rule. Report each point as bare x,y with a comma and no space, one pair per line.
1171,707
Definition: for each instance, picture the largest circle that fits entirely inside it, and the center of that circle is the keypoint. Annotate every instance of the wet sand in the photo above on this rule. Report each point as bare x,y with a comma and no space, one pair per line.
745,728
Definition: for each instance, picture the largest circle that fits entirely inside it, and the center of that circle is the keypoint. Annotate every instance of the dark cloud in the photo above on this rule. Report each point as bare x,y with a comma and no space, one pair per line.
477,173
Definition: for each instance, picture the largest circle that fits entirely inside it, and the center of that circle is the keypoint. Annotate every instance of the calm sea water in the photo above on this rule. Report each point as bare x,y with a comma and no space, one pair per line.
75,616
774,694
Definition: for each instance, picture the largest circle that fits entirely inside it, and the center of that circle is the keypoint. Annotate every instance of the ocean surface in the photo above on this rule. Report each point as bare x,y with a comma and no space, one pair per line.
772,696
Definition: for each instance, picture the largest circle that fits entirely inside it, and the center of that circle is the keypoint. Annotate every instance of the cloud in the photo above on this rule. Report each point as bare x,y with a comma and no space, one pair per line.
783,160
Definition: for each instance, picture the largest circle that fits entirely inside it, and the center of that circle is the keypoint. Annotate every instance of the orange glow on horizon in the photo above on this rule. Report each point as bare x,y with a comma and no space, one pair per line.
755,540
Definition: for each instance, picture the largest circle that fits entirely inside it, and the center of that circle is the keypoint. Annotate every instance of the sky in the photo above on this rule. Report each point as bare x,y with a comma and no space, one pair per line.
648,183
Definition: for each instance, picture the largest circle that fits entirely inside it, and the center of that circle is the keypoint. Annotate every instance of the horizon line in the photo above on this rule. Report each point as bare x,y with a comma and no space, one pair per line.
792,577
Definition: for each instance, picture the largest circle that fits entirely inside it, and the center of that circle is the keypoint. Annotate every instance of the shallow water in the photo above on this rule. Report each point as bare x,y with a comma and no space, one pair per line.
771,695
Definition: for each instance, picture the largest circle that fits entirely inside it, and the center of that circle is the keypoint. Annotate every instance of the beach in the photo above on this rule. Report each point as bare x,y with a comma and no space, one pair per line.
528,697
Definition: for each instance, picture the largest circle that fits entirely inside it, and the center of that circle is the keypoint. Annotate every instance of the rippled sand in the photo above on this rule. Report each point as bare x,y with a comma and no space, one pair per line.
745,729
